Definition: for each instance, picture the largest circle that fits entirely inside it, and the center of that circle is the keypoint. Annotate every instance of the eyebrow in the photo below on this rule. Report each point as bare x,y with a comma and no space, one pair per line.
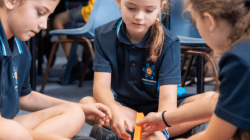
45,8
150,6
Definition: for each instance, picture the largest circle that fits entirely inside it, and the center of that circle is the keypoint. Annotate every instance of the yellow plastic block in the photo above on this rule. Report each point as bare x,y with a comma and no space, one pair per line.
138,129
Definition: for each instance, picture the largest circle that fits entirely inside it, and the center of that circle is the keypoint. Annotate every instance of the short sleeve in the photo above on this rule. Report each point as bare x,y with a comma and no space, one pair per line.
170,71
26,88
234,100
101,63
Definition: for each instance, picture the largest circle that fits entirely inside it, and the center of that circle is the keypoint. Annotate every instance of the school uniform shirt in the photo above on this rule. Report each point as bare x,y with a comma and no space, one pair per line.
135,79
14,74
234,100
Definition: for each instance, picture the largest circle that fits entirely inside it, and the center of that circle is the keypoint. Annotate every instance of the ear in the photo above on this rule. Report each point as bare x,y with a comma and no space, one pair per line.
212,23
163,3
119,3
10,4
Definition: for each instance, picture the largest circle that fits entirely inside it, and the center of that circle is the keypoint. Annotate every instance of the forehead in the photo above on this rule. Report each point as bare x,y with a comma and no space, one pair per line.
143,2
49,4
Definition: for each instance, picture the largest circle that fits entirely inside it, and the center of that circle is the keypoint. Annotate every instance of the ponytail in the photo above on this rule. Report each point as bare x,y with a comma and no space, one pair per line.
156,40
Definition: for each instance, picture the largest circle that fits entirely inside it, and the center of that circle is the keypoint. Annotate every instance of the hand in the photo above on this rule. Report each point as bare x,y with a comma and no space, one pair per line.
152,123
97,112
120,124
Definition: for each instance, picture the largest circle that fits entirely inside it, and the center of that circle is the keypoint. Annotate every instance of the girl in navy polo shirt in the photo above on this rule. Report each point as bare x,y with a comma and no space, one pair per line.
140,60
225,26
52,118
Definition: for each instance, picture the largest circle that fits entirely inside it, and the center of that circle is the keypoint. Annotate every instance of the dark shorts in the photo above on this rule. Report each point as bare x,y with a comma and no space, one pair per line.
150,107
75,15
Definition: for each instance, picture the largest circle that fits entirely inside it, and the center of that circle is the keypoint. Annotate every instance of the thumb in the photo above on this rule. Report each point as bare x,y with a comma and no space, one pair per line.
142,122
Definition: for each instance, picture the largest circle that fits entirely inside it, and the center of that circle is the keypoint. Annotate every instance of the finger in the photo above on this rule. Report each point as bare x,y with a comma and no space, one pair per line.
124,134
141,122
117,131
99,113
101,122
146,133
105,110
129,126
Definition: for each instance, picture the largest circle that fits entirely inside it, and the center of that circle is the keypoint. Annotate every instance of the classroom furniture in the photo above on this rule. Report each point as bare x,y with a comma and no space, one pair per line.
191,42
102,12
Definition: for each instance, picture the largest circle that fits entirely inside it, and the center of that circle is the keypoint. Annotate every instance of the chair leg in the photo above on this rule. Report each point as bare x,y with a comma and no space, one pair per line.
48,66
187,70
209,58
184,59
50,61
88,48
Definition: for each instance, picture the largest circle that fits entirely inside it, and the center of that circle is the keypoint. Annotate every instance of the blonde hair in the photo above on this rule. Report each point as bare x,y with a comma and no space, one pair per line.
157,36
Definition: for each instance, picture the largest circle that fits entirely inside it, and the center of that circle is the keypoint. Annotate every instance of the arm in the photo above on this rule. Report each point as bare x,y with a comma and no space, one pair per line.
218,129
103,94
37,101
167,98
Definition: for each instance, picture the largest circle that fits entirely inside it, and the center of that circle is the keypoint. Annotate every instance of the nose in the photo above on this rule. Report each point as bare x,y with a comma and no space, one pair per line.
139,15
43,24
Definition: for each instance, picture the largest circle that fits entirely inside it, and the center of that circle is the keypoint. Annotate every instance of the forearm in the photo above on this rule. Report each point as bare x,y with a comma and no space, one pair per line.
167,98
37,101
167,105
104,95
191,112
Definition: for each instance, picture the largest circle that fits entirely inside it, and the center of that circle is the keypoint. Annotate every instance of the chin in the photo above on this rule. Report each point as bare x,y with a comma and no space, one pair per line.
24,37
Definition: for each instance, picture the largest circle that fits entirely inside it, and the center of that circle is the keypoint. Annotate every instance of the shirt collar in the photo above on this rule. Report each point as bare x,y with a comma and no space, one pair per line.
122,36
6,51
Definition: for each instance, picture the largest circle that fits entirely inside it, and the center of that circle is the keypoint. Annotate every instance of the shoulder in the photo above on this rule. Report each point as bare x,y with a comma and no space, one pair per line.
238,53
170,37
107,28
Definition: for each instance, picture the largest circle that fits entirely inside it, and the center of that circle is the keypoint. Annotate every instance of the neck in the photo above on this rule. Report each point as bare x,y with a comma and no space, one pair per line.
135,38
3,18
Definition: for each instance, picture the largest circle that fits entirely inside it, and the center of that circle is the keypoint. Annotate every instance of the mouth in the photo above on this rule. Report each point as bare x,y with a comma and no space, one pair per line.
35,32
138,24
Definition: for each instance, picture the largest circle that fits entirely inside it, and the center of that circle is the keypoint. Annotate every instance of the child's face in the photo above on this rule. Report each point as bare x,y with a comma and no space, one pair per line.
139,15
213,31
29,17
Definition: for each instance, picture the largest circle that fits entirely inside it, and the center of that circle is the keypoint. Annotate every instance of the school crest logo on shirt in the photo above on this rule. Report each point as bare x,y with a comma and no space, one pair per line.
149,75
15,77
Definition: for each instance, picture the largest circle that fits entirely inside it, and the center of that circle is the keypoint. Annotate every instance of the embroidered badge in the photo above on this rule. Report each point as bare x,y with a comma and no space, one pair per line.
15,77
149,74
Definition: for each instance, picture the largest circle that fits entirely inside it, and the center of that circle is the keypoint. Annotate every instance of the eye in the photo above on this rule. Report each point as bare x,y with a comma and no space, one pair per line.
149,11
39,13
131,9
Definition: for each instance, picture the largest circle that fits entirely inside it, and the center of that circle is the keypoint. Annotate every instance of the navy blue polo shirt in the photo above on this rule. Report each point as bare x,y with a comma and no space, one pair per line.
14,73
135,79
234,100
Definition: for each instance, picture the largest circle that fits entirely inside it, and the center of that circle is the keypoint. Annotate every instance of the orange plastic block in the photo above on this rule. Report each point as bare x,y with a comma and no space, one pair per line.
138,129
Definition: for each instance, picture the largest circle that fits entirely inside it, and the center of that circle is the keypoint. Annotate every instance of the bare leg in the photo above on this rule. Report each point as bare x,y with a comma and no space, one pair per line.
60,21
11,130
64,120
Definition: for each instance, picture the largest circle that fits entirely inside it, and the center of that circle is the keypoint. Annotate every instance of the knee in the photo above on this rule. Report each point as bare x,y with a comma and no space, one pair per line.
213,100
209,94
157,136
88,100
11,130
76,115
